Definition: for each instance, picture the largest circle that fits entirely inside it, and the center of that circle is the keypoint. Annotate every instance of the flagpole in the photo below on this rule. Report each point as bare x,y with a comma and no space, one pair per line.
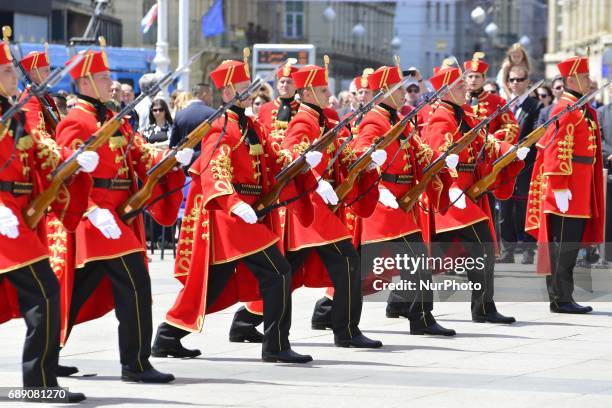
162,60
183,51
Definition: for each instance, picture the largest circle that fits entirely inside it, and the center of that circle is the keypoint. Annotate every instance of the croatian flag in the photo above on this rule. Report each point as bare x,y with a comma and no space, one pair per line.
148,20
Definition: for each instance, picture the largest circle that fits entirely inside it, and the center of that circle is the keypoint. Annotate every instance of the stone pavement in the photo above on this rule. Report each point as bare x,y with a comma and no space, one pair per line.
543,360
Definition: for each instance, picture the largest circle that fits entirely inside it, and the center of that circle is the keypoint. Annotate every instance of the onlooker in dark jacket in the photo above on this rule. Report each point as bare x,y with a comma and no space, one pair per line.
604,114
557,90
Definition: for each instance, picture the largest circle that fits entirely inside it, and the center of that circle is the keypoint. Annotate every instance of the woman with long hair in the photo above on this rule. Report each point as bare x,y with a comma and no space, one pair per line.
160,123
545,95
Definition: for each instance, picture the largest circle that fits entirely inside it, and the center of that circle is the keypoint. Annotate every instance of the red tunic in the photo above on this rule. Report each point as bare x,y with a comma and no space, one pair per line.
504,127
32,162
211,234
267,116
569,157
34,114
444,129
91,245
328,227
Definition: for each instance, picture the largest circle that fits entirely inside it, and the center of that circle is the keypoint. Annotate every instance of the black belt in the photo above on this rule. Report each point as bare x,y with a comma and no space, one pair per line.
397,178
112,184
248,189
584,159
16,187
466,167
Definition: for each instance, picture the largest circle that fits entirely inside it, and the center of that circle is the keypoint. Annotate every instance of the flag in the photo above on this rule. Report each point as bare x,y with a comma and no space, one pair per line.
212,21
148,20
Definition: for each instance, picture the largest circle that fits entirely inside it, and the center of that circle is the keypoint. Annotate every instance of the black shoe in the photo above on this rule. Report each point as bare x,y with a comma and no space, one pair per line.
175,350
320,325
527,258
418,327
75,397
285,356
359,341
65,371
249,335
493,317
69,397
150,375
394,312
508,257
569,307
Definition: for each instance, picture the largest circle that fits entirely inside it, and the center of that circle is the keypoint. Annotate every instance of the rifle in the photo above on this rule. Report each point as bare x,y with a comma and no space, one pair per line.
409,199
131,207
299,165
35,210
47,111
365,159
481,186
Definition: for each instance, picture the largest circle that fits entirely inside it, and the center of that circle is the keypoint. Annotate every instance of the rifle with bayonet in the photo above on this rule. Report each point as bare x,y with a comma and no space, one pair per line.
36,209
481,186
131,207
299,165
383,142
412,196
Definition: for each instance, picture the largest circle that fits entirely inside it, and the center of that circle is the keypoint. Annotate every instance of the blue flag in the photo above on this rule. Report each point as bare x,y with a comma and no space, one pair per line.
212,21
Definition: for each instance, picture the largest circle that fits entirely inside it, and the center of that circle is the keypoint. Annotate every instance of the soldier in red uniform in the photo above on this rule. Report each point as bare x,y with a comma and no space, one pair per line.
222,235
28,286
36,64
274,116
469,222
566,209
484,103
109,260
328,240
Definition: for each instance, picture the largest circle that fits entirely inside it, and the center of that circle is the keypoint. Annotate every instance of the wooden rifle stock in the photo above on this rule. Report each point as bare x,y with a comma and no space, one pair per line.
481,186
138,199
36,209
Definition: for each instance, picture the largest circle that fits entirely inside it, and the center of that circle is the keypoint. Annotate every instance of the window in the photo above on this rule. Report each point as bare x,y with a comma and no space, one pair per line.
428,12
447,15
437,13
294,19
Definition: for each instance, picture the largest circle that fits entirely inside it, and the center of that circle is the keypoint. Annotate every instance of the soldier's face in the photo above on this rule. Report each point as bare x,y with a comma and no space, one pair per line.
318,95
474,80
580,83
100,81
229,92
364,95
285,87
41,74
8,80
457,93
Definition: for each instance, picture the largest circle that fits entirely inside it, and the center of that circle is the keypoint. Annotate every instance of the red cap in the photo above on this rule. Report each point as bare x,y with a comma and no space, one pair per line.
310,75
92,63
230,72
286,70
477,64
573,66
444,75
5,53
384,76
35,60
361,82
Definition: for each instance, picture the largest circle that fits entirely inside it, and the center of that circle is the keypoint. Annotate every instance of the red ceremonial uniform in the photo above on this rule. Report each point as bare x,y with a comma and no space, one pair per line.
505,126
569,157
124,157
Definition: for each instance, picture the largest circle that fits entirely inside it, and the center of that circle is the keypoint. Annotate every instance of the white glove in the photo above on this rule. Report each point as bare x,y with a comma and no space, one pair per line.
184,156
327,193
521,153
452,160
88,161
246,212
387,198
378,159
313,158
104,220
457,197
562,198
8,223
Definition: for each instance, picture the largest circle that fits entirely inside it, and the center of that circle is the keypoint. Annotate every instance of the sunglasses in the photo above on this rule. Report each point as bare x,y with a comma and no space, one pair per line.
412,90
515,80
157,110
543,95
558,88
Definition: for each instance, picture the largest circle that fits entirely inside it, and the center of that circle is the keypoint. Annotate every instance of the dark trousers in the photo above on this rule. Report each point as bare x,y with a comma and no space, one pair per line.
132,294
512,225
38,294
418,303
342,263
273,274
479,243
565,237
